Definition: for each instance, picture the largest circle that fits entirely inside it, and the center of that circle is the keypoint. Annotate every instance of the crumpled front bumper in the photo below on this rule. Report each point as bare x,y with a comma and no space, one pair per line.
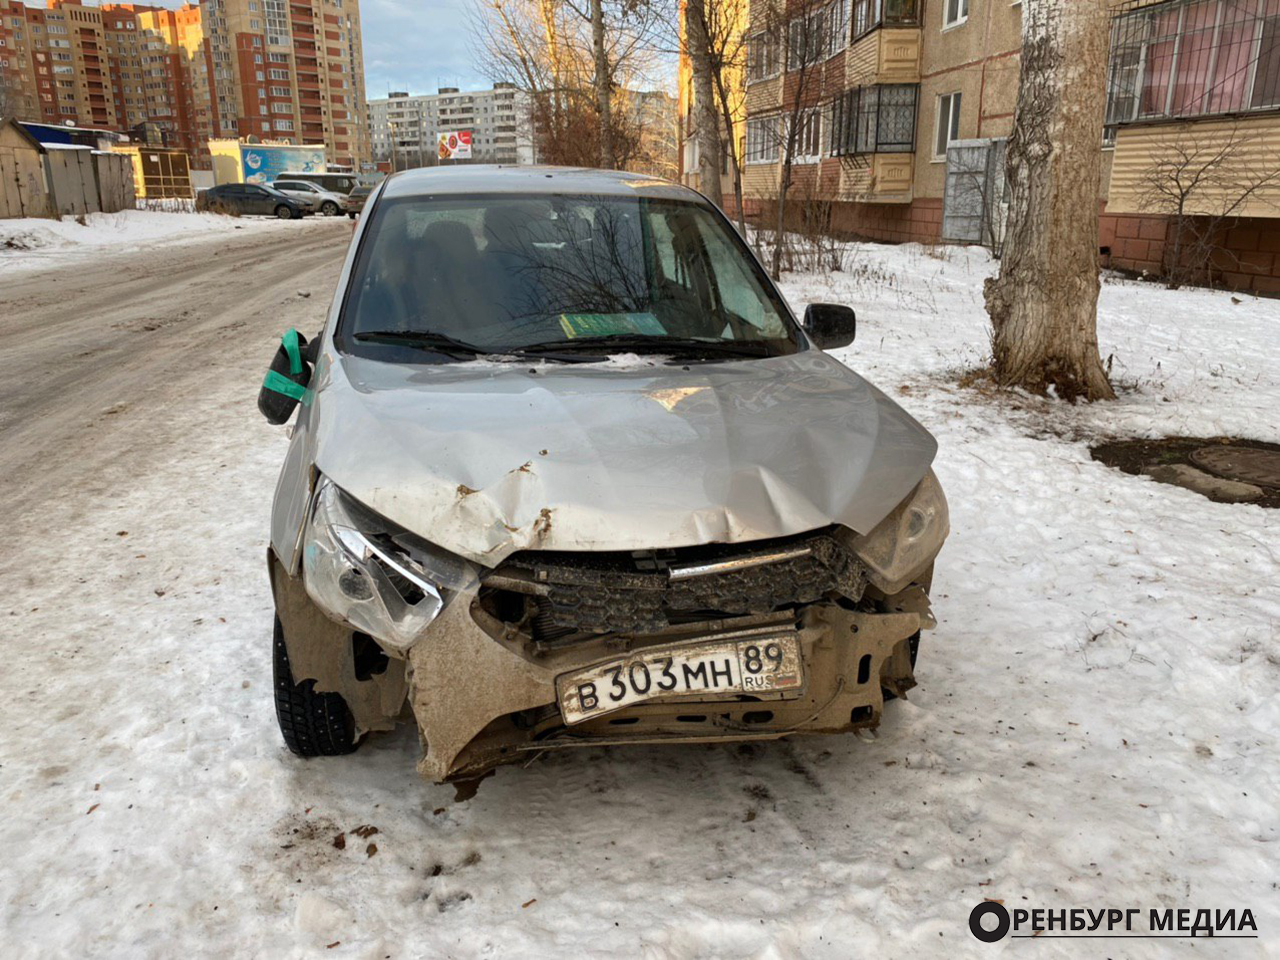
481,701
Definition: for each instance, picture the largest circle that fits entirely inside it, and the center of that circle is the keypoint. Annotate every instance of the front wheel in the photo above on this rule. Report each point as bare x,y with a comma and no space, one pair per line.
329,208
283,212
313,724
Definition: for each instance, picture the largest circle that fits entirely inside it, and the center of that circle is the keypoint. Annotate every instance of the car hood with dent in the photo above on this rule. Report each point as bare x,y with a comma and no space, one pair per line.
486,458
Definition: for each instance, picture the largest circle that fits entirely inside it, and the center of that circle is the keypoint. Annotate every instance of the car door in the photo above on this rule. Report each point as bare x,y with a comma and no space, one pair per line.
232,196
258,200
294,188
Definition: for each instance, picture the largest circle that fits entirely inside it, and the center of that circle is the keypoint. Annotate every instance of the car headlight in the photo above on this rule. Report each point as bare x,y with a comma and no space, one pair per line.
377,577
907,539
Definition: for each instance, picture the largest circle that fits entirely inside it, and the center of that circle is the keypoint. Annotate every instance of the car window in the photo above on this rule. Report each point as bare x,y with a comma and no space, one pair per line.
510,271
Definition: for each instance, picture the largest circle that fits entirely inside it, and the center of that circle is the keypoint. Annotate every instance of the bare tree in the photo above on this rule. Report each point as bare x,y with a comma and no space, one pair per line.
14,102
550,49
1043,304
715,43
1203,180
699,49
804,33
603,82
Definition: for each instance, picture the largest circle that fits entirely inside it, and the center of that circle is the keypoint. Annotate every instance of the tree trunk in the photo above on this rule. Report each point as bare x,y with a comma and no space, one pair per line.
710,157
603,92
1043,304
731,147
784,183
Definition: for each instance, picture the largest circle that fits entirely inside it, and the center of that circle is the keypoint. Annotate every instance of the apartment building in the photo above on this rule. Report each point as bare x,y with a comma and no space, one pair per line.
902,107
61,72
281,69
404,129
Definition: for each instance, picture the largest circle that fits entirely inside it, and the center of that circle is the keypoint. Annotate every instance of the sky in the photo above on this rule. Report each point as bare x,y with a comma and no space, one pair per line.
415,45
418,46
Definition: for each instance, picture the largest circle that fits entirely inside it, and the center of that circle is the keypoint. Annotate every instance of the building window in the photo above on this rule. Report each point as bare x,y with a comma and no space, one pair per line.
762,140
869,14
1194,58
954,13
762,56
808,139
948,127
880,119
807,39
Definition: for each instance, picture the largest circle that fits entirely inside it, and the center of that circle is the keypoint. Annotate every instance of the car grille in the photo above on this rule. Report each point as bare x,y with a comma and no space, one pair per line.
563,593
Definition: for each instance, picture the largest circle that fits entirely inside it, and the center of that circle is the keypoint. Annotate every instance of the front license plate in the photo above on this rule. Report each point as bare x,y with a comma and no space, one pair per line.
757,665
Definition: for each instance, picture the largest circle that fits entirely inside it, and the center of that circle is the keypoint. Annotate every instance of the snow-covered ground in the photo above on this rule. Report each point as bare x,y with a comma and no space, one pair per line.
38,244
1095,726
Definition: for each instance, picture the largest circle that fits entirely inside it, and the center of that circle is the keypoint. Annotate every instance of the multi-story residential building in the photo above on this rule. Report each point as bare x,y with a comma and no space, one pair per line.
1194,98
17,77
901,109
281,69
405,129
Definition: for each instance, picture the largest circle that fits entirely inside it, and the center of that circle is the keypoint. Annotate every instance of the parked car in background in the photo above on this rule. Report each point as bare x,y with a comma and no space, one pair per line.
251,199
326,202
657,511
339,183
357,198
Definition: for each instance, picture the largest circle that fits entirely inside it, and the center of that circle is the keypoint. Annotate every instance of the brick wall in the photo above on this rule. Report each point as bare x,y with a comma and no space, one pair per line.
919,221
1248,257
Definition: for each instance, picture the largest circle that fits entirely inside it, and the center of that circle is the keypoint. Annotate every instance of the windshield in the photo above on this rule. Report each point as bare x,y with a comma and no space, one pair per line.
511,272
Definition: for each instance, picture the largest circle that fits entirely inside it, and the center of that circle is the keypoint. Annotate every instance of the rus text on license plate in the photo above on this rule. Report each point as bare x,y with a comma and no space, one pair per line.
756,665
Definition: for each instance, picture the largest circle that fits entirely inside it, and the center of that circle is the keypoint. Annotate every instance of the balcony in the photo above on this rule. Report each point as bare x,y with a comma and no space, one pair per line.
885,49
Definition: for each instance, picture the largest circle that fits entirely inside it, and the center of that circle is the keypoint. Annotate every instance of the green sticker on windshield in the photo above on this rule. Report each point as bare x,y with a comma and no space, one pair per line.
610,324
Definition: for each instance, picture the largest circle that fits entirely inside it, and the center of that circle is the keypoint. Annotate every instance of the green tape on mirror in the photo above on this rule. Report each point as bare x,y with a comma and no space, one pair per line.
291,347
279,383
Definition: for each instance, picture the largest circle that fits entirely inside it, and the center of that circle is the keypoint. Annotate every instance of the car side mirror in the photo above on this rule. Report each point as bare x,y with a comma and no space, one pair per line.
830,324
287,377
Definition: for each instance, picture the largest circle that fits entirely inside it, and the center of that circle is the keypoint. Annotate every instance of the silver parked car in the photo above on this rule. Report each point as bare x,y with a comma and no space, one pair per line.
323,201
567,472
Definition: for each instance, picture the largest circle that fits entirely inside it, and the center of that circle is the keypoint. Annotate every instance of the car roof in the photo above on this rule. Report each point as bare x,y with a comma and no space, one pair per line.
497,178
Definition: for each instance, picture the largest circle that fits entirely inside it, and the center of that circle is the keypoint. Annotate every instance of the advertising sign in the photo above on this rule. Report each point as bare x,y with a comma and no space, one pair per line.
264,162
455,145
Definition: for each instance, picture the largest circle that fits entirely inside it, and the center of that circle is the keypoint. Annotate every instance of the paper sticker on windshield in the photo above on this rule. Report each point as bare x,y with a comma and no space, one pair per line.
610,324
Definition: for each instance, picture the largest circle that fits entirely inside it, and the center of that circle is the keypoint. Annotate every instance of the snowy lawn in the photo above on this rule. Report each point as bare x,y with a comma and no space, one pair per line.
1095,726
38,244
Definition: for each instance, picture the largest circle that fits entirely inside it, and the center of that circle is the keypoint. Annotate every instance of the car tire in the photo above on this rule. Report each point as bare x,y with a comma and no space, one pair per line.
329,208
351,215
313,724
284,213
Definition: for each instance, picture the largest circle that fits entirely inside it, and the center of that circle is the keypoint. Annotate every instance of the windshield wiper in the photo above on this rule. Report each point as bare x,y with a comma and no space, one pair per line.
656,344
427,339
443,343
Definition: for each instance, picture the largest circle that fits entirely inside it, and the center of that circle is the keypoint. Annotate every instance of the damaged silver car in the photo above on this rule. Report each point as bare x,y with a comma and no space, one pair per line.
567,472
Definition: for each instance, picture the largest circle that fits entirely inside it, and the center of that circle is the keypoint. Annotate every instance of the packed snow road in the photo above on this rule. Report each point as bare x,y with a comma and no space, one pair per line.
1095,725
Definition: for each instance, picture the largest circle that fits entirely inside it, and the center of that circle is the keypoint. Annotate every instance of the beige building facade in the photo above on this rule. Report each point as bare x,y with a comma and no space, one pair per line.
901,109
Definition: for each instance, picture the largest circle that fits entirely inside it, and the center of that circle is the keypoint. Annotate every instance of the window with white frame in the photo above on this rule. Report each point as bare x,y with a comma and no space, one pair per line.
762,56
762,140
948,126
954,12
808,140
818,35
